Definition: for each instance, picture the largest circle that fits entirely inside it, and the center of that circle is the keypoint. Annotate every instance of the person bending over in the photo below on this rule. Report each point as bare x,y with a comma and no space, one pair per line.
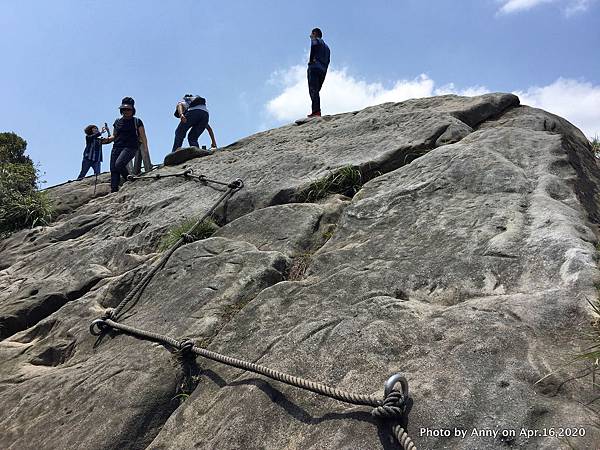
193,116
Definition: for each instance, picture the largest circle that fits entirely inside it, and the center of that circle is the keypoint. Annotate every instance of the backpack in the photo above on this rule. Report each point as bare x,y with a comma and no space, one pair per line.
136,125
195,102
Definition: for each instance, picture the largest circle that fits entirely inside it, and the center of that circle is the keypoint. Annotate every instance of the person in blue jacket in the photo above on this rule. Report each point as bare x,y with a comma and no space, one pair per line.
318,62
92,154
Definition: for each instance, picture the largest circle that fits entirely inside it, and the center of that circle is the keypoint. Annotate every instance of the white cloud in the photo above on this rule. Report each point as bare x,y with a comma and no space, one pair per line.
569,7
576,101
342,92
511,6
577,6
468,92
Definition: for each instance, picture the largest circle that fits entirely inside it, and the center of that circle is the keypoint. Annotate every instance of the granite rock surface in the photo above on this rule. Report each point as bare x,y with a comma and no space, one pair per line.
464,261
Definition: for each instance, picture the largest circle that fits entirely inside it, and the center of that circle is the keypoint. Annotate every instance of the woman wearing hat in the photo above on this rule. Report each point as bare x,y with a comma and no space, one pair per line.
127,136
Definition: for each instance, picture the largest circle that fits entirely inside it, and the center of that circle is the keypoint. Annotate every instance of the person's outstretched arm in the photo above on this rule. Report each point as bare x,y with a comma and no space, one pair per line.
212,136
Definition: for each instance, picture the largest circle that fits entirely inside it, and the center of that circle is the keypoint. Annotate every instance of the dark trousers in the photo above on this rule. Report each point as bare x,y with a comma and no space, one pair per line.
86,164
119,157
316,77
196,122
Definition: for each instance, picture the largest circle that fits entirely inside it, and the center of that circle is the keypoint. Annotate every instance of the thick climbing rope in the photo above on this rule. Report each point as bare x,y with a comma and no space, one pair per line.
393,405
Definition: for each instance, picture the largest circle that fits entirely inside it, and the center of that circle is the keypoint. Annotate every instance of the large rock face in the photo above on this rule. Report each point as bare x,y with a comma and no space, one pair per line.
465,262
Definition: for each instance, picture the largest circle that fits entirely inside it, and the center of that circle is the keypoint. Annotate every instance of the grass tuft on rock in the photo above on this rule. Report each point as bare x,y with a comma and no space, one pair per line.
593,352
346,181
595,143
328,234
204,230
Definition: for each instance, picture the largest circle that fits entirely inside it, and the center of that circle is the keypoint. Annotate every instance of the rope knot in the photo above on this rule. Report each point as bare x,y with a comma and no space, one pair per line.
394,405
187,238
188,172
185,346
394,402
109,314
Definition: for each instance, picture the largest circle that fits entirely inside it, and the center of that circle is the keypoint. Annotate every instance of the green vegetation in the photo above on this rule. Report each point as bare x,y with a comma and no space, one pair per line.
187,384
346,181
328,234
595,142
22,205
204,230
181,397
593,352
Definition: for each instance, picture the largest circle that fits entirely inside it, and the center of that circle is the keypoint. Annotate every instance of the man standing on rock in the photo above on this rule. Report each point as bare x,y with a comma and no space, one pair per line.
318,62
193,116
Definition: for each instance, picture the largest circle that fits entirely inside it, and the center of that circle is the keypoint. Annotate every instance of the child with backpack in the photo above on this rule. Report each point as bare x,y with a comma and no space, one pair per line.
193,116
92,154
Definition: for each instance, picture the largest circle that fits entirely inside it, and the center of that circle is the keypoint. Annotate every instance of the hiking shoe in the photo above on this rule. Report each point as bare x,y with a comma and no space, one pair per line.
315,114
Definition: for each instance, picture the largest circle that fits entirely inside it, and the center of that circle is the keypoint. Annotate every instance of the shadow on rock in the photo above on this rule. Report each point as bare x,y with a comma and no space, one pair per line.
384,428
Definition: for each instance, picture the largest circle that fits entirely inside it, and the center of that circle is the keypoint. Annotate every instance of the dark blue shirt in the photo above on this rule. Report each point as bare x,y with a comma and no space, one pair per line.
319,54
93,147
126,132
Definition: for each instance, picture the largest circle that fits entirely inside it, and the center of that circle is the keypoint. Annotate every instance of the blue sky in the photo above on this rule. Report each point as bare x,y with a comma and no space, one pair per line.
67,63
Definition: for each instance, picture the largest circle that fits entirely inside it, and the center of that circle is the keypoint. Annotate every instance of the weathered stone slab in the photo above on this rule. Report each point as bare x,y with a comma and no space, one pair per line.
293,229
69,196
467,269
117,392
184,154
275,165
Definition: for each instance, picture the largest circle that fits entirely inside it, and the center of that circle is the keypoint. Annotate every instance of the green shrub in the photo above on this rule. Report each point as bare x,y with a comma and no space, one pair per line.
346,181
204,230
21,204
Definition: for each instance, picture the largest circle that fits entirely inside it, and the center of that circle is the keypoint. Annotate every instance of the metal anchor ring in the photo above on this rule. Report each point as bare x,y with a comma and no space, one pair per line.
236,184
391,383
98,326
